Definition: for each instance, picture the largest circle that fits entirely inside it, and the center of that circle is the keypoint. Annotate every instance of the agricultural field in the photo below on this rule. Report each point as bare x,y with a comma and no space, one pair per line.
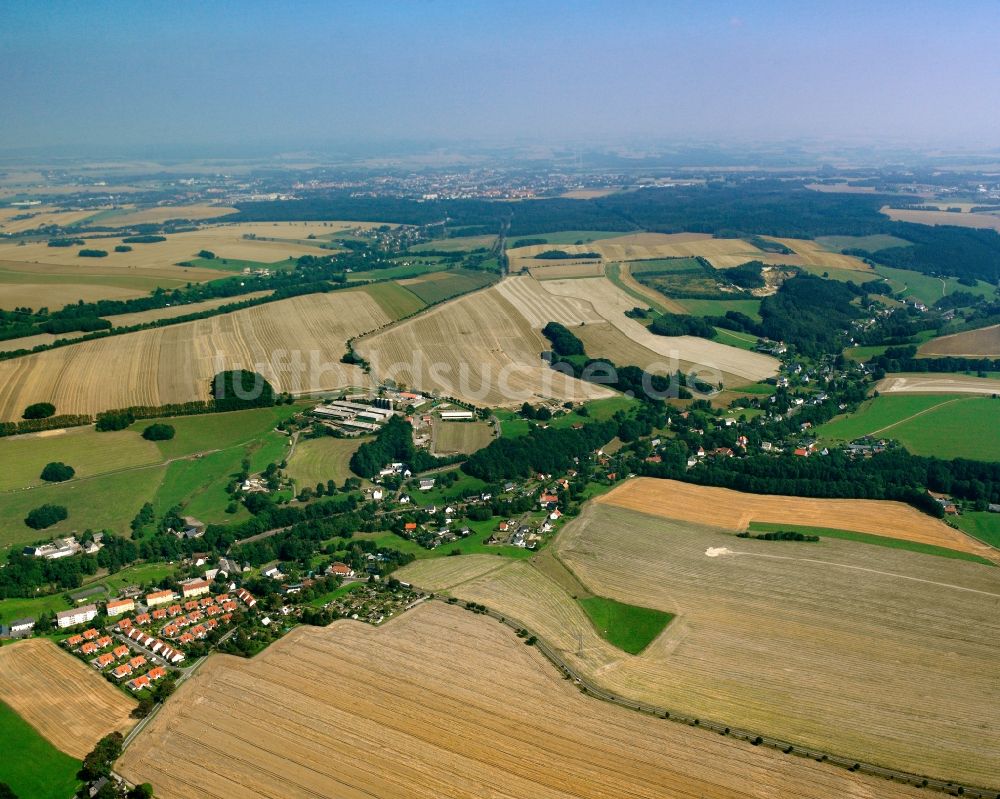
983,525
611,303
68,702
620,274
989,221
782,638
397,301
477,348
562,237
925,383
296,344
405,710
561,270
947,426
629,627
24,284
451,438
120,217
734,510
438,286
38,216
32,766
317,460
981,343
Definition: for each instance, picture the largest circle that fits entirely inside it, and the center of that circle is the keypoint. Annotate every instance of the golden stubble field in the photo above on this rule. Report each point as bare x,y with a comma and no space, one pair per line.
868,652
438,703
981,343
989,221
478,348
734,510
296,344
65,700
937,384
610,303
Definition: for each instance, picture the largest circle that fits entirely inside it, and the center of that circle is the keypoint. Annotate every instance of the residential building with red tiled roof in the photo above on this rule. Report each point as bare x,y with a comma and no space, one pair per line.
124,625
174,610
122,671
143,618
195,587
119,652
104,660
139,683
137,662
157,673
159,614
89,648
103,641
90,635
191,605
159,598
118,606
74,640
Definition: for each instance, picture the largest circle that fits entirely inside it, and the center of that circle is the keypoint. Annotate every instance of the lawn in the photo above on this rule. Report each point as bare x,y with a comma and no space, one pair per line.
457,244
720,307
661,265
472,545
317,460
873,243
107,502
613,273
396,300
459,281
237,265
945,425
867,538
573,236
464,486
743,341
11,609
629,627
399,272
511,425
336,593
926,288
30,765
981,525
87,451
862,354
216,430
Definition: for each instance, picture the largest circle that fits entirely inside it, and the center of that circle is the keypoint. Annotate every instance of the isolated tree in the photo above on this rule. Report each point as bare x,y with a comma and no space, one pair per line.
45,516
158,432
57,472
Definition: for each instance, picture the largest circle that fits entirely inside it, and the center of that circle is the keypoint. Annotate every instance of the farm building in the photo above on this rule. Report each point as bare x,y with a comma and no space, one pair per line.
70,618
454,416
118,606
341,570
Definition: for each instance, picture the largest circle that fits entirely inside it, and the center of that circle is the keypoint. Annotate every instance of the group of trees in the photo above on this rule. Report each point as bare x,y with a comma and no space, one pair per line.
671,324
563,342
57,472
45,516
904,359
392,443
159,432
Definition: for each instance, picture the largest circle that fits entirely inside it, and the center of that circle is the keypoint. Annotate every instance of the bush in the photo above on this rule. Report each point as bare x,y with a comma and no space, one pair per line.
40,410
93,253
206,254
158,432
45,516
57,472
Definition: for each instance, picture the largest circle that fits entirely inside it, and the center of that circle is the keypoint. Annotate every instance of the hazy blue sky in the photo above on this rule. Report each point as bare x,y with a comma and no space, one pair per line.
287,73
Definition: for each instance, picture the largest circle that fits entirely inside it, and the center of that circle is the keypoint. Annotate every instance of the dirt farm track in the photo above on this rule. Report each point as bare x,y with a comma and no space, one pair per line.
439,703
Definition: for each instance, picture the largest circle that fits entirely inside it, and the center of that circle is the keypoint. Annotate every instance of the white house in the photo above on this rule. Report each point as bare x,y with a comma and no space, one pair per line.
81,615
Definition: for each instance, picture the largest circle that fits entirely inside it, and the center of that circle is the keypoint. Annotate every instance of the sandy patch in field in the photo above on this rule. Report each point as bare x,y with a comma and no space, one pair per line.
938,384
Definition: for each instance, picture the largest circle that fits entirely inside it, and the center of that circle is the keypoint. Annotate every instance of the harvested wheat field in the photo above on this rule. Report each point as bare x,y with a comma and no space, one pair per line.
868,652
734,510
565,269
808,255
981,343
38,216
452,438
163,213
64,699
296,344
943,218
715,360
477,348
642,246
655,298
540,307
937,384
438,703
